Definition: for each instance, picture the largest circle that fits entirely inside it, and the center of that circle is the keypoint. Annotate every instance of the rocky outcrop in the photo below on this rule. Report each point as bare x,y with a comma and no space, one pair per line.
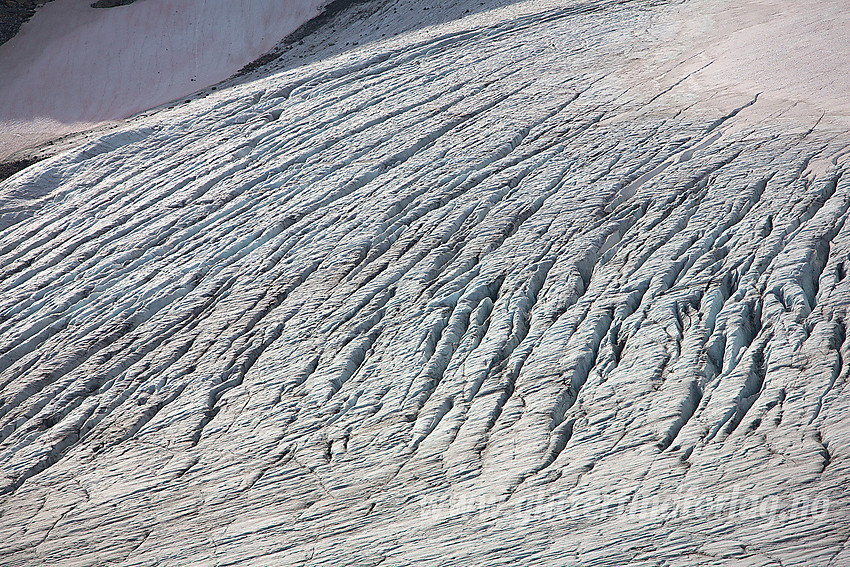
111,3
13,13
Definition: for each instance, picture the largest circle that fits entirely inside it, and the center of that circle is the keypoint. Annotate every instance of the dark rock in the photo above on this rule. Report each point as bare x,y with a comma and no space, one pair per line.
111,3
13,13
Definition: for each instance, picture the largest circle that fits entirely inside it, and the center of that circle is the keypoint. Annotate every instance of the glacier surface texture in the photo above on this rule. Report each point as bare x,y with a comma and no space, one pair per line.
494,284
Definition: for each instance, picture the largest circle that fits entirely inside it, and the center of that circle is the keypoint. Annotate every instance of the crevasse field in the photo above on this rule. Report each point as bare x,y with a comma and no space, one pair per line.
505,283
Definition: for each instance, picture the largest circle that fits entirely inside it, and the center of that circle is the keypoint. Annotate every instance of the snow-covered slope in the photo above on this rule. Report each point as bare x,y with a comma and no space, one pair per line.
73,66
525,287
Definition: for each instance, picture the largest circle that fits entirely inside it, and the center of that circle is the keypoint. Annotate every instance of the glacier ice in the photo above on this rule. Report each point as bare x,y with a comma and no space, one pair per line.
513,288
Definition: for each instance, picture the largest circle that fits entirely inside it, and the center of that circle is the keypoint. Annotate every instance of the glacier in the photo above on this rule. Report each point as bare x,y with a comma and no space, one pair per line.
542,282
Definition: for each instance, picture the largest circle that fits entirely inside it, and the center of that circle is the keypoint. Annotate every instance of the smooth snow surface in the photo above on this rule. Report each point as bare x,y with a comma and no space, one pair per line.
790,52
528,285
72,66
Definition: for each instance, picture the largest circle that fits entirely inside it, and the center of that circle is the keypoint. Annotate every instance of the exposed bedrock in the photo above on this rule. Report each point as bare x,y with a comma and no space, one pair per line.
13,13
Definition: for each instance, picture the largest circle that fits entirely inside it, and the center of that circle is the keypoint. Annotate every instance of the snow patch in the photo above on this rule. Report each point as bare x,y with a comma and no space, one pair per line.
72,67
